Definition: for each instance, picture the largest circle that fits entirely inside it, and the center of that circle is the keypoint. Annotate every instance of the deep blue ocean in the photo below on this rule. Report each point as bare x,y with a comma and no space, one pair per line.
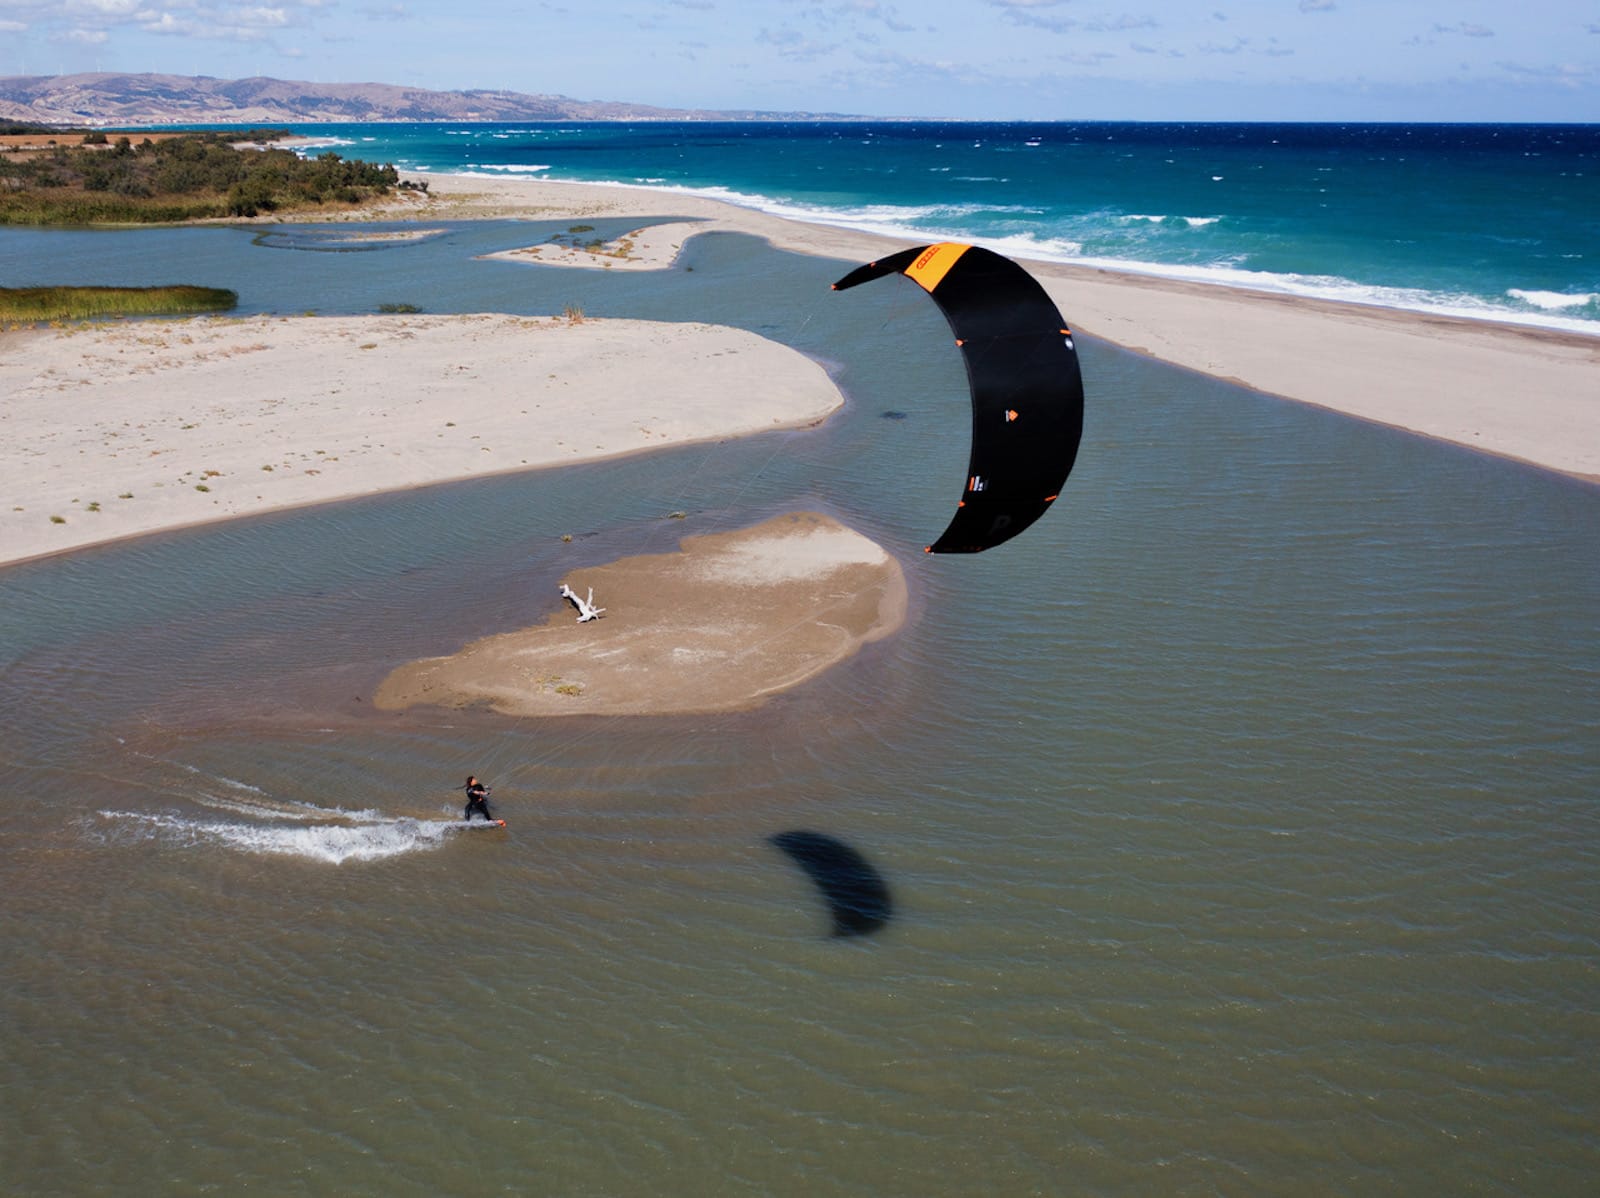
1489,221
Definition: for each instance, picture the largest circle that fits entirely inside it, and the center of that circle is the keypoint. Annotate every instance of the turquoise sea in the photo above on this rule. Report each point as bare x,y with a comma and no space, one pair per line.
1496,221
1240,817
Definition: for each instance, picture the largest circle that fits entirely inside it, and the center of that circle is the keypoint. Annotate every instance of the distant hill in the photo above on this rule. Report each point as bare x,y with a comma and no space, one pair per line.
120,100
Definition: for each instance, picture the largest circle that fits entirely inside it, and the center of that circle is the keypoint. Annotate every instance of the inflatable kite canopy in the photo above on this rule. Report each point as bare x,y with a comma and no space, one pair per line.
1027,392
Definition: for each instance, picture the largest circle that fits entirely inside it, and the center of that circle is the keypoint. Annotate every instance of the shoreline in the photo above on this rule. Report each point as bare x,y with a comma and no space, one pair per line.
1512,390
129,429
1149,272
1526,394
722,623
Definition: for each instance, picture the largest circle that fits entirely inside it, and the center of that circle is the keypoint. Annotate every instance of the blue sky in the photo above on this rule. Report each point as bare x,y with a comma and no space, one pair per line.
995,59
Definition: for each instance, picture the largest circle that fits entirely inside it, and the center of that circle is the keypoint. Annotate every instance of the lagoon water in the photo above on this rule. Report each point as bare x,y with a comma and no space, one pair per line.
1240,818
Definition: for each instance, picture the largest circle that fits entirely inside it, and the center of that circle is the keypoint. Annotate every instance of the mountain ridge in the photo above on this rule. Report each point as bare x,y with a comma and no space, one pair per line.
104,98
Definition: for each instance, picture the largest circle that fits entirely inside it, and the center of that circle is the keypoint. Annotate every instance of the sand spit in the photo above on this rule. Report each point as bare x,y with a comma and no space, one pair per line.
121,429
1513,390
118,429
720,625
653,247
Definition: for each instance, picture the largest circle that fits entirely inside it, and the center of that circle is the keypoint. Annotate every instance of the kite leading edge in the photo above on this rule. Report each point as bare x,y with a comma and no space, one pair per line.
1022,369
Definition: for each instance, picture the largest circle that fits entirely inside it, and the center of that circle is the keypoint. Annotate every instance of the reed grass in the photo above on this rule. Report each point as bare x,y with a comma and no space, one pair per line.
60,206
33,304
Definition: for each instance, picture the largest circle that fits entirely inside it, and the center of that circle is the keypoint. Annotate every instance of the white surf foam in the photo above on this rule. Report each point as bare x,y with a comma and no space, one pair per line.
1553,301
921,223
519,168
331,843
304,146
244,817
1193,222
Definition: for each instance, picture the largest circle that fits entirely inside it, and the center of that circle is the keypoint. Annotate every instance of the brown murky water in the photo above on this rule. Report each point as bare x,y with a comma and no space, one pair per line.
1239,822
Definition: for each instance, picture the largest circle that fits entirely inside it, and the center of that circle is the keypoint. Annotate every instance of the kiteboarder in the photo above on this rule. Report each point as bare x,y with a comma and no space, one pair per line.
477,800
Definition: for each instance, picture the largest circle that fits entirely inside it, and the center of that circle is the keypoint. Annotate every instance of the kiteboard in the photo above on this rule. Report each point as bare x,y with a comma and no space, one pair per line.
475,823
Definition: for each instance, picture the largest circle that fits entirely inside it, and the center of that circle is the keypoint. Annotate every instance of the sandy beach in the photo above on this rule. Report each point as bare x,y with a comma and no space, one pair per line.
119,429
1506,389
122,429
720,625
129,428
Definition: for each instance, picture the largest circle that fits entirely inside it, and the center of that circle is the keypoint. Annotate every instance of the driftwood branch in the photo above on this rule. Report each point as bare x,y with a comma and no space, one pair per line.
586,608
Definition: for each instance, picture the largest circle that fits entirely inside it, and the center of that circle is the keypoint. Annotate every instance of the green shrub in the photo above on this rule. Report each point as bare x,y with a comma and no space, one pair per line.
193,177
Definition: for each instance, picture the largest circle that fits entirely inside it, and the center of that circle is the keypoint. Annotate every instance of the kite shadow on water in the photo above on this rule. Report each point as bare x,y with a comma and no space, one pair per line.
856,894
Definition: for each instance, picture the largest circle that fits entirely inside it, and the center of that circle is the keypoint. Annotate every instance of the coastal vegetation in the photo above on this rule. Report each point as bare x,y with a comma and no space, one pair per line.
33,305
193,176
30,128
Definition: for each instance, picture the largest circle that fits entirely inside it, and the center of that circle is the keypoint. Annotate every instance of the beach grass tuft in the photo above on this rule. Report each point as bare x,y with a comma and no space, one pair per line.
44,304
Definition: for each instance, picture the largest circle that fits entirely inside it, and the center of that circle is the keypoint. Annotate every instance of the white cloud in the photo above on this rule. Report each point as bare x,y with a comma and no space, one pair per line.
166,24
1464,29
105,8
1564,74
263,18
952,57
1032,14
794,46
102,22
1121,23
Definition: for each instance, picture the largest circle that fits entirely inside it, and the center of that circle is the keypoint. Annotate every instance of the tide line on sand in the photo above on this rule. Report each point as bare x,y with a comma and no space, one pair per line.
1511,390
119,430
722,624
124,429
